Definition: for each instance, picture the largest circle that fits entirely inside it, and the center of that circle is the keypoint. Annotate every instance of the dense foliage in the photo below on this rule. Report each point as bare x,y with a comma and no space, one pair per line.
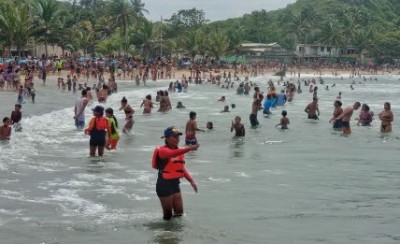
119,27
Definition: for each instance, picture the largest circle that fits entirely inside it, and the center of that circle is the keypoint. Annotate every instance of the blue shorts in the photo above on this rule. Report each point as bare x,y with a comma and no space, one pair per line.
79,123
191,141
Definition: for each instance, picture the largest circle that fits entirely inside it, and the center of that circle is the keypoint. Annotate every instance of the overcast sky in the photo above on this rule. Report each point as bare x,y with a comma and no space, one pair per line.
214,9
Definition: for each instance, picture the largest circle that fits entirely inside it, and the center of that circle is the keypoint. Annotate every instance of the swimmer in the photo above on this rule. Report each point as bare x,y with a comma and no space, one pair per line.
210,125
191,128
169,160
5,129
284,121
238,127
222,99
129,111
226,109
339,96
386,116
312,109
180,105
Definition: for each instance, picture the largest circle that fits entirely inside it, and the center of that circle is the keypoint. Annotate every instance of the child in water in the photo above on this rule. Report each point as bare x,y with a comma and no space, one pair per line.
284,121
209,125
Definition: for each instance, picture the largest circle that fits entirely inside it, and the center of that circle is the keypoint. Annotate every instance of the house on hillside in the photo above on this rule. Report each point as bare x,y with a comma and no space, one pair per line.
263,51
315,51
322,51
252,49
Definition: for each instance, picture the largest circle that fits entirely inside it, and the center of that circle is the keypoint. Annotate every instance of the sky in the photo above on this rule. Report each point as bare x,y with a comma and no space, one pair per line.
214,9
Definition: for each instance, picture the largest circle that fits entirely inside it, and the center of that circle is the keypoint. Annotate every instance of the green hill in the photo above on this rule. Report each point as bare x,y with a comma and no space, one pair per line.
365,24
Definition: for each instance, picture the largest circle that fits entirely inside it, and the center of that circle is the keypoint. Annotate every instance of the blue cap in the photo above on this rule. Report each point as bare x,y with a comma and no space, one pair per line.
171,131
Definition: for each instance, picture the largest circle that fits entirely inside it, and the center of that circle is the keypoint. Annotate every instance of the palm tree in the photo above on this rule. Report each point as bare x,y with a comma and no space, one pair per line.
331,34
8,20
122,15
24,29
48,15
219,44
138,7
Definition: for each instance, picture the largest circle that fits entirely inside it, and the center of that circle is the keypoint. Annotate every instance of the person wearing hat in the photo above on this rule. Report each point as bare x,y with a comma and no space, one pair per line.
169,160
98,129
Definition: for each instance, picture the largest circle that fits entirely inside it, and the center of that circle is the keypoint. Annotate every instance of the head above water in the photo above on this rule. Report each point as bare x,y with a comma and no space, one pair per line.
124,100
98,110
192,115
284,113
110,111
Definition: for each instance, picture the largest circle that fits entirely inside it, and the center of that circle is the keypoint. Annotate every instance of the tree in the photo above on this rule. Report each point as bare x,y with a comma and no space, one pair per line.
187,20
122,15
47,13
138,7
219,44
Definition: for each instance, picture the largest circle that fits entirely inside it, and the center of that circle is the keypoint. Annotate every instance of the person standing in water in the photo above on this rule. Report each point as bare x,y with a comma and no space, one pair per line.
238,126
284,121
98,129
5,129
169,160
337,125
16,117
312,109
386,116
129,111
191,128
147,104
79,110
111,144
254,111
346,116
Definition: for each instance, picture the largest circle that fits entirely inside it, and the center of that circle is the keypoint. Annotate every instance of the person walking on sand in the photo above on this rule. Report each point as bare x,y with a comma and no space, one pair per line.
169,160
346,116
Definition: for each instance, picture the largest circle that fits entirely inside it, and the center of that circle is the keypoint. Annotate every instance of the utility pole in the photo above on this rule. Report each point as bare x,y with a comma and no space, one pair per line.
161,37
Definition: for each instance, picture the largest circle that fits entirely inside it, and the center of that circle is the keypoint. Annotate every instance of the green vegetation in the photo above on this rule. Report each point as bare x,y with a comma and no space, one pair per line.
119,27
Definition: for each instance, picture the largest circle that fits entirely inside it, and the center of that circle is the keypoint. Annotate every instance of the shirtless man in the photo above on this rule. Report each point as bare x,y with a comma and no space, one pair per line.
89,95
191,128
5,129
147,104
312,109
254,110
346,116
238,127
102,94
79,110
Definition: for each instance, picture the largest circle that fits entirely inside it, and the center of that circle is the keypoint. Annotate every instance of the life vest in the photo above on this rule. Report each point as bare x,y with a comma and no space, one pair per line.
170,168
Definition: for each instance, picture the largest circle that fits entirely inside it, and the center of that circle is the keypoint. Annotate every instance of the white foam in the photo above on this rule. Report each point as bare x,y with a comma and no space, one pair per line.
73,204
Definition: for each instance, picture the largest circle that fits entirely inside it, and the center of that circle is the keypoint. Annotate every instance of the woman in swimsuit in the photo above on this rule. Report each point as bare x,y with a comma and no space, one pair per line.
386,117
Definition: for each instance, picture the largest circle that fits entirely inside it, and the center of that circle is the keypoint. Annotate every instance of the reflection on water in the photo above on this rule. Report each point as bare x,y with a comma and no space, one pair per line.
237,147
167,232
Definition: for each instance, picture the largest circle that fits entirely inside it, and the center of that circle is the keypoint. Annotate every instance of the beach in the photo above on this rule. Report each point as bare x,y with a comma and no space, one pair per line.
308,184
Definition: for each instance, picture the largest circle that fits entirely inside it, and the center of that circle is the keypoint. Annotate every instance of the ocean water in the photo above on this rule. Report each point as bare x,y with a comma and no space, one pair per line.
308,184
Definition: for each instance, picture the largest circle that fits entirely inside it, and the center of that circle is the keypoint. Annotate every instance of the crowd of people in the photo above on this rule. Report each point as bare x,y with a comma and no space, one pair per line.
103,127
